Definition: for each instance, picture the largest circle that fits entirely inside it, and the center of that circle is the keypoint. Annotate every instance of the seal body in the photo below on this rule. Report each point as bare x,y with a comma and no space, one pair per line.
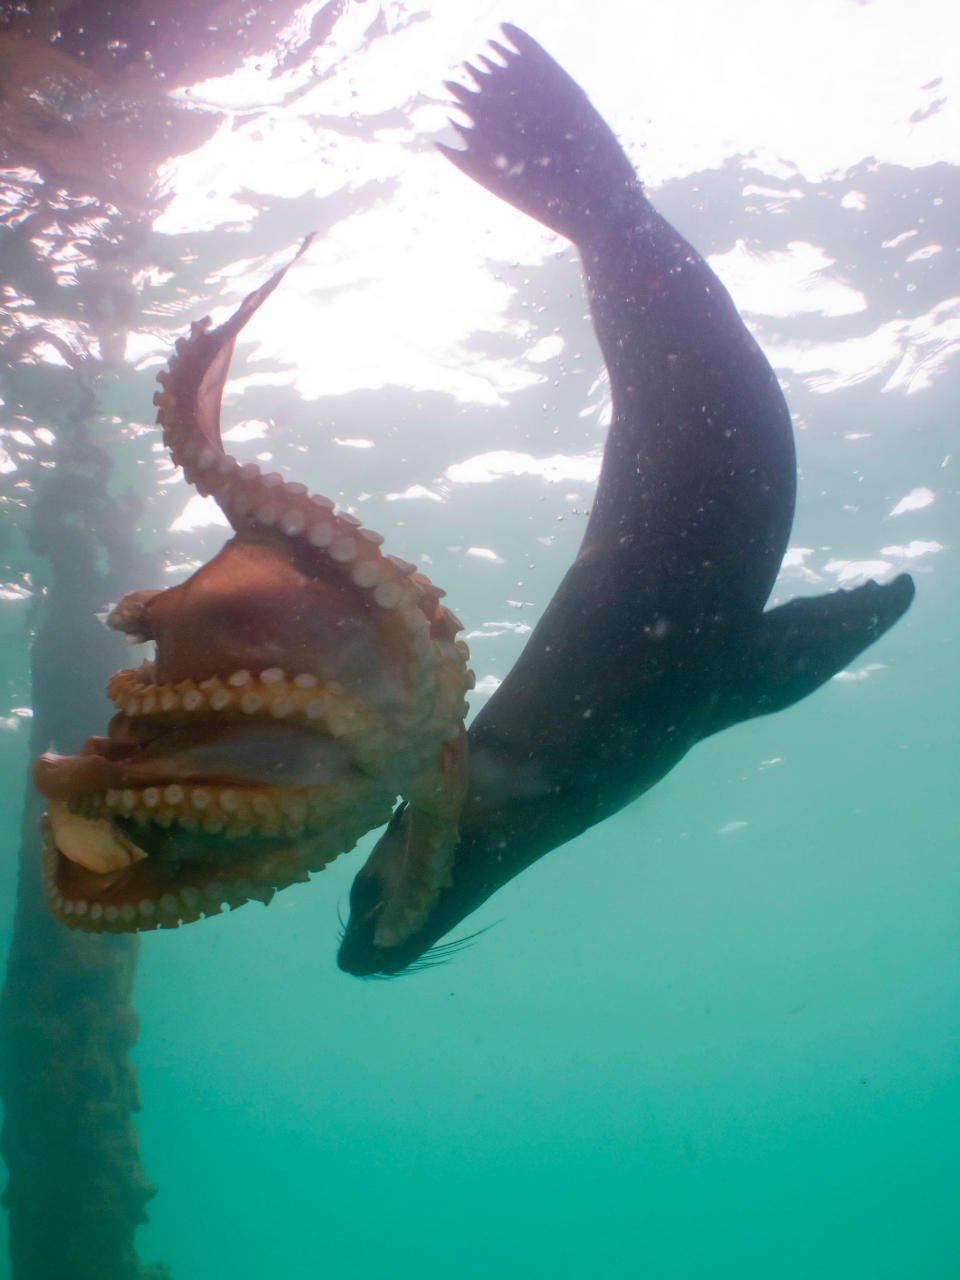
657,637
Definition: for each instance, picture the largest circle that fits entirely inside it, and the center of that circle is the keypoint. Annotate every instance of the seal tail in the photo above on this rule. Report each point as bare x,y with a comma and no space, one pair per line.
562,166
802,644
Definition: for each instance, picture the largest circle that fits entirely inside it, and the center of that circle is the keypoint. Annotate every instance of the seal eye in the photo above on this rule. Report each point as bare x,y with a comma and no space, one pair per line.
366,896
370,889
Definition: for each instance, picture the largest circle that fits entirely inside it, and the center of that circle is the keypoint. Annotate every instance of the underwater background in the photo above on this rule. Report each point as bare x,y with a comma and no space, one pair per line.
718,1033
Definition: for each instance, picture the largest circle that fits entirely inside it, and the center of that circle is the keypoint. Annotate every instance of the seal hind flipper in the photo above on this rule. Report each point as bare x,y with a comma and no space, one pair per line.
562,166
701,439
802,644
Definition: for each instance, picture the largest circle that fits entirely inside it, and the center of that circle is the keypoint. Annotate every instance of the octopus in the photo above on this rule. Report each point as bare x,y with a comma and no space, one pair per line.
304,680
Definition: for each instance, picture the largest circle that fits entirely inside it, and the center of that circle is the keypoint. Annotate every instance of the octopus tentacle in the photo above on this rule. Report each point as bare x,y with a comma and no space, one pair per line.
188,410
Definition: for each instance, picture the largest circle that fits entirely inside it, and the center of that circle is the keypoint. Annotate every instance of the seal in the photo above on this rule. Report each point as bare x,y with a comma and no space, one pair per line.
658,635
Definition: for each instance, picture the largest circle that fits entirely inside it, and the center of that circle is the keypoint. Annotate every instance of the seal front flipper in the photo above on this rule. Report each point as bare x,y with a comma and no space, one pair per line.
800,645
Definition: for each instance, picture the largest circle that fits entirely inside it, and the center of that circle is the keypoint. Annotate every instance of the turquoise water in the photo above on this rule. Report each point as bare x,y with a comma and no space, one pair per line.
717,1034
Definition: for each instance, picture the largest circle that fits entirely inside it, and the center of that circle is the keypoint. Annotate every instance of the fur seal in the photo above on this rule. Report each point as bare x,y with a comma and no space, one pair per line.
658,635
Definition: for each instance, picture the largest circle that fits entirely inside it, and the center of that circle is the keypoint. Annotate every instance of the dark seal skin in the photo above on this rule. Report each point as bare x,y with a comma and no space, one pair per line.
657,637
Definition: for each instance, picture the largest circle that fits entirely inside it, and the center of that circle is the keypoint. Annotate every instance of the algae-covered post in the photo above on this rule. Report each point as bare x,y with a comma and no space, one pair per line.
67,1023
87,121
